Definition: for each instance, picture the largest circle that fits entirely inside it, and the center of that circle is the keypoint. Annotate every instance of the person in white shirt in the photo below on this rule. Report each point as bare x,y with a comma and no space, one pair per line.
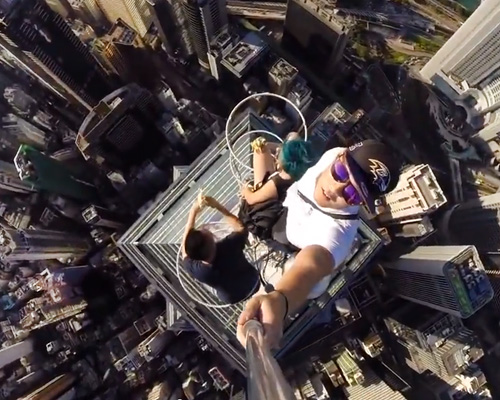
321,220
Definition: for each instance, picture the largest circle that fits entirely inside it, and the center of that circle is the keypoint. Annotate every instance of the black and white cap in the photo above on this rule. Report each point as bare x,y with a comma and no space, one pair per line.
374,168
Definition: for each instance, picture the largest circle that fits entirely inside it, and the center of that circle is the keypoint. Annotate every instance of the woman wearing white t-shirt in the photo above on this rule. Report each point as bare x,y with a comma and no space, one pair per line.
322,220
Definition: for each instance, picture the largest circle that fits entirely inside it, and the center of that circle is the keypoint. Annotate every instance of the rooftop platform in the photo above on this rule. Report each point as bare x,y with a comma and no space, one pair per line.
153,243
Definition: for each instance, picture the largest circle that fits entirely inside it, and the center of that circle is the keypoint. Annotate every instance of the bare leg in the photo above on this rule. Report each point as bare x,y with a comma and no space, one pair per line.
263,163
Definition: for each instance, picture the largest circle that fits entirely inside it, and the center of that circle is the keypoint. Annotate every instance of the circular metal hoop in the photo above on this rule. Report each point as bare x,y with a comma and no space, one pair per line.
237,174
253,96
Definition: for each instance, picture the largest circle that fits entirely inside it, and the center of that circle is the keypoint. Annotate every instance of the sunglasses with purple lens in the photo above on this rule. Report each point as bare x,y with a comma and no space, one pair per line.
340,173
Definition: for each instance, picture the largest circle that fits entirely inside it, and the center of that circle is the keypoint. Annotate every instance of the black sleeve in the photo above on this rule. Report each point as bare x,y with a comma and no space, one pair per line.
234,241
282,186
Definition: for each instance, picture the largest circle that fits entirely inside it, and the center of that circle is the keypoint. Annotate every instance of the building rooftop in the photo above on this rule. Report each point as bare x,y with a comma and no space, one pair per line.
327,13
153,245
221,40
300,93
122,33
372,388
282,69
245,54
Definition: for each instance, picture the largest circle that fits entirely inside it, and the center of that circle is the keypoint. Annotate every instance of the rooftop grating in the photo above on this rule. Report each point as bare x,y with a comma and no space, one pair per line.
153,243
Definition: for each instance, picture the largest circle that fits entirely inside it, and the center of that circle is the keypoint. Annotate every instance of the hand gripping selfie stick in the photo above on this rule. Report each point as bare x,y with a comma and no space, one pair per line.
265,378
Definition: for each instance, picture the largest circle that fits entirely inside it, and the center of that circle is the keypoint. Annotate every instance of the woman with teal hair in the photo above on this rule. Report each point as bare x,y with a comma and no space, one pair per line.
275,169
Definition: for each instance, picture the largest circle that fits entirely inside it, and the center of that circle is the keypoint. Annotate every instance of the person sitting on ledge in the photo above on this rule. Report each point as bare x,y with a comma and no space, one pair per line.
275,168
222,264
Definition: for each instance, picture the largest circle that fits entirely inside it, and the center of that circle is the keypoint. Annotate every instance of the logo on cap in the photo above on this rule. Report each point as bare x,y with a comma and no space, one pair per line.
355,146
381,174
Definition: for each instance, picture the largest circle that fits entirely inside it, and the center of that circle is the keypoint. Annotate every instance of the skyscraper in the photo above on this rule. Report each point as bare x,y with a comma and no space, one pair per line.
40,245
135,13
121,53
25,132
171,23
98,216
433,340
417,194
206,18
312,27
54,389
281,76
475,222
447,278
10,181
15,352
47,40
43,172
246,53
467,70
123,122
338,127
223,43
62,7
153,246
90,13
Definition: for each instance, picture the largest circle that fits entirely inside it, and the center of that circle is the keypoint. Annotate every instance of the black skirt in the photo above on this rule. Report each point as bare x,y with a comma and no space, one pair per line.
260,218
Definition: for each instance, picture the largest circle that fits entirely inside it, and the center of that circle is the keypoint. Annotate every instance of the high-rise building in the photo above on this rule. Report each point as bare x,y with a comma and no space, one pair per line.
62,7
281,76
90,13
124,121
474,222
20,101
335,126
45,38
83,31
417,194
153,246
205,19
172,27
121,53
220,46
349,368
41,245
98,216
25,132
467,70
153,345
15,352
373,387
135,13
127,340
447,278
432,340
312,27
246,53
300,94
43,172
10,181
54,389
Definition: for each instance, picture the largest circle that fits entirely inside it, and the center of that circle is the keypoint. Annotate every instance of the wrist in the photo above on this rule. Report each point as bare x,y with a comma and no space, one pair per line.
280,298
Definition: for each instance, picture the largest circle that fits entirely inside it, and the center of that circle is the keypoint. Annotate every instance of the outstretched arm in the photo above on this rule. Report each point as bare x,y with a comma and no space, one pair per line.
193,213
311,265
231,219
